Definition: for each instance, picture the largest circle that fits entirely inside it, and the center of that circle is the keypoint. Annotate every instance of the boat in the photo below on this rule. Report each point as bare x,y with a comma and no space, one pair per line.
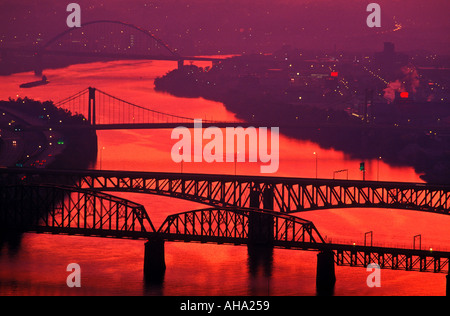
41,82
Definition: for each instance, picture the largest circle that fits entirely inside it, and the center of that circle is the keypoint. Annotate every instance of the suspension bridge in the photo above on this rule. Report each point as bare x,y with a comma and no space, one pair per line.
103,111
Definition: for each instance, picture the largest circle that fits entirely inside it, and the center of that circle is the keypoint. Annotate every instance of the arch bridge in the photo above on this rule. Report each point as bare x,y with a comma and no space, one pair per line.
280,194
107,39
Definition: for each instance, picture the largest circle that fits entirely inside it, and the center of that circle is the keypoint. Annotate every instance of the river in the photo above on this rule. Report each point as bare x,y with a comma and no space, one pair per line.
37,265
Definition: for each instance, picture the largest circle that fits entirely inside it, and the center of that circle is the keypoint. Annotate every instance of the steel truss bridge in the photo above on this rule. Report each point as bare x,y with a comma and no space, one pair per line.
69,210
252,211
280,194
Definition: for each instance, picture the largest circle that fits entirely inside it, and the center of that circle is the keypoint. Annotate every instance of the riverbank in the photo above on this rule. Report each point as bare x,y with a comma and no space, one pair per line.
71,149
396,142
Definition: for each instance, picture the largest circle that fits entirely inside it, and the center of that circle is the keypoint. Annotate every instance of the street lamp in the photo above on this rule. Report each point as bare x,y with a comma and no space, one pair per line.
316,154
180,150
378,168
235,162
101,156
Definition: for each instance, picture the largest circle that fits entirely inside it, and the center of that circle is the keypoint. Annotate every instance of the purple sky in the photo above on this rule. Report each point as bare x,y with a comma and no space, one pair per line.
233,26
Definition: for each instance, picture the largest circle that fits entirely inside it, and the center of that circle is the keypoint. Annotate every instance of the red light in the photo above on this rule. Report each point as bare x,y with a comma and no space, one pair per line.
334,74
404,95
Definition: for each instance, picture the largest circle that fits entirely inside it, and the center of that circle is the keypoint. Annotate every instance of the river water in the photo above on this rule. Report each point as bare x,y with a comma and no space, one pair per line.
37,265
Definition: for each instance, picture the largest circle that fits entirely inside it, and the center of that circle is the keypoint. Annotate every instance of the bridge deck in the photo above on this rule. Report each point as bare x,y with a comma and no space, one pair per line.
215,177
345,255
283,194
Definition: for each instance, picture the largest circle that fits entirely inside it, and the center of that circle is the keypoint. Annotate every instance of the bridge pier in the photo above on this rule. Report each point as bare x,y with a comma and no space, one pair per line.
261,226
180,63
260,267
260,229
447,292
154,260
325,277
267,198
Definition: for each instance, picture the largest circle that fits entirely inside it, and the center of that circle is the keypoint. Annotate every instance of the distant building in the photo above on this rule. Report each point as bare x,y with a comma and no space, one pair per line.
388,59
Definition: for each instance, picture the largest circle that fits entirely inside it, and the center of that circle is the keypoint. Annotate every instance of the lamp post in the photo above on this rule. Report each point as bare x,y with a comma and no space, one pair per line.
235,161
316,154
101,156
378,168
180,149
371,238
419,237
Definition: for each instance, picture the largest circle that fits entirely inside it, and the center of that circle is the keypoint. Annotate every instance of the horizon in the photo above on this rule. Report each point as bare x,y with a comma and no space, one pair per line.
249,26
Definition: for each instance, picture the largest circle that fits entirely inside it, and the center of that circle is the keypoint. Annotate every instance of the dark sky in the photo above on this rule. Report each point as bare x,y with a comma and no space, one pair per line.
235,26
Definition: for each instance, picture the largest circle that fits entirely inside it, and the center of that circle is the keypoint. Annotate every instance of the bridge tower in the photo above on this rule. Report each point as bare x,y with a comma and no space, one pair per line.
91,114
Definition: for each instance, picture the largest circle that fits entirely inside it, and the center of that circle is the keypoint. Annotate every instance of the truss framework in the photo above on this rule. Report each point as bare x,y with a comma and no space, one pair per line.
232,225
67,209
289,195
395,259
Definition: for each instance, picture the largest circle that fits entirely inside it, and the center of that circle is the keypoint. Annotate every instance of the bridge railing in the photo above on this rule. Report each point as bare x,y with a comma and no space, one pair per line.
391,258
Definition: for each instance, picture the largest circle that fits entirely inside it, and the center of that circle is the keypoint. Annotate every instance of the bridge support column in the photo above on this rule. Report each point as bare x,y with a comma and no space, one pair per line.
180,63
154,260
261,226
254,198
447,292
260,229
325,277
267,198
